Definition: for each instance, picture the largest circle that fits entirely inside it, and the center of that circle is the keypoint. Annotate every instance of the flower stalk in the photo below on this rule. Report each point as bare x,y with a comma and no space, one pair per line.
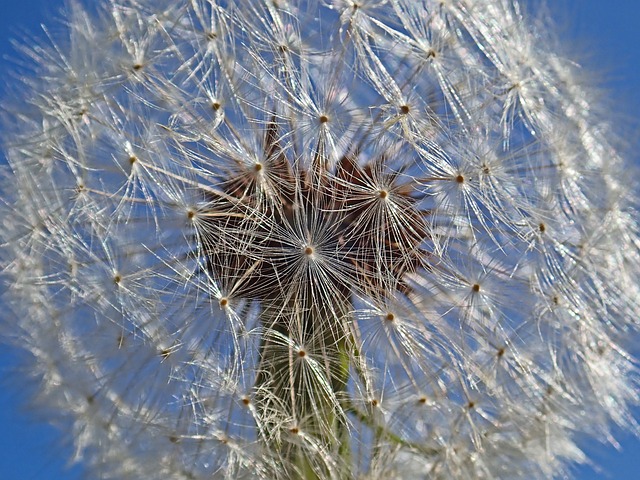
300,389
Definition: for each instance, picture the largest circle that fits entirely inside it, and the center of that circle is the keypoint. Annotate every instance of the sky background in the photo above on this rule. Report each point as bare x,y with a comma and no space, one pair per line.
606,33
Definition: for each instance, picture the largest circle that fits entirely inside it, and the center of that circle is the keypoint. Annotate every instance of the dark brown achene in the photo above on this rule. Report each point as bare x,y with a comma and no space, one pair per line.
256,233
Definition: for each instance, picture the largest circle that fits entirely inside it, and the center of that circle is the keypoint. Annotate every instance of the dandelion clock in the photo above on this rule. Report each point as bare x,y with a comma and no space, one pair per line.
318,240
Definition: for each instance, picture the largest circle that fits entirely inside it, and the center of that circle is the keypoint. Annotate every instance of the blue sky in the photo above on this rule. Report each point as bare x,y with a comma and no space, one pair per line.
607,32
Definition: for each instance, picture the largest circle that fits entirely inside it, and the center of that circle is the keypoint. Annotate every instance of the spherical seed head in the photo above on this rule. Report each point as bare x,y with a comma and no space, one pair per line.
371,157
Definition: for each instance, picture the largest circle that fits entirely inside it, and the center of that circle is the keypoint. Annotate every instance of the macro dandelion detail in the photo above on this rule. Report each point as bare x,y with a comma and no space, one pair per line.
318,239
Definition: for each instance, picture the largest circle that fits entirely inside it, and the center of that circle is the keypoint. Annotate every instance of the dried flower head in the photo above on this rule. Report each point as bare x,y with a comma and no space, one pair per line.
318,239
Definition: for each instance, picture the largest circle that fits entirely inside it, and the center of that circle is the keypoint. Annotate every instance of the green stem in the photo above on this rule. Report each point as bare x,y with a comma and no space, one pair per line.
301,382
302,398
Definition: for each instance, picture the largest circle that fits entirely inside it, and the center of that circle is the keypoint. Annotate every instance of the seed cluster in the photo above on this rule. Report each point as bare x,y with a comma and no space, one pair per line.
304,239
366,236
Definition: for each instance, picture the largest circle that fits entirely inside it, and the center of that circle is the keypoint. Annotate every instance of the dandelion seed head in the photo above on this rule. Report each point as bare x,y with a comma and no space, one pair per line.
304,239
